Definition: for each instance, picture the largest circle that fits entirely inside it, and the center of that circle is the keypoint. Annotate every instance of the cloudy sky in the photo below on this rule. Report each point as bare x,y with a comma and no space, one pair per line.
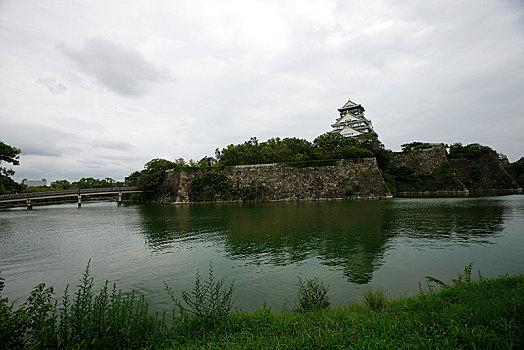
98,88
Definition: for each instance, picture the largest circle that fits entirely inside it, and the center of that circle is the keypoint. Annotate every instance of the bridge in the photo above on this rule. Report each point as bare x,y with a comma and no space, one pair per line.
29,197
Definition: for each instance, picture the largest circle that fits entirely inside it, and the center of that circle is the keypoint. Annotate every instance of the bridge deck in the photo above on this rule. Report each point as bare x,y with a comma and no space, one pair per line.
67,193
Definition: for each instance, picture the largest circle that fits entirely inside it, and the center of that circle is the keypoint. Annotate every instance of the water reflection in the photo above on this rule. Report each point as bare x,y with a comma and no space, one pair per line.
445,222
349,236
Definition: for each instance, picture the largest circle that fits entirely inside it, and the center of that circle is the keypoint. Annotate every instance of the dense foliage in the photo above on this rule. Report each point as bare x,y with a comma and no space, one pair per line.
474,150
516,170
415,146
215,186
276,150
10,155
153,174
485,314
404,179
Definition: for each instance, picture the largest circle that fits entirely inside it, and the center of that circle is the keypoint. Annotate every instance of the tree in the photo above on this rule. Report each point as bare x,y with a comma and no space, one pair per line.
330,143
372,143
153,174
414,146
87,182
8,154
473,150
61,185
206,162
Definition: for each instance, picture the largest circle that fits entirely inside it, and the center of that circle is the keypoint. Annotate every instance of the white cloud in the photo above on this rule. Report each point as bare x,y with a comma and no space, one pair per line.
121,70
52,85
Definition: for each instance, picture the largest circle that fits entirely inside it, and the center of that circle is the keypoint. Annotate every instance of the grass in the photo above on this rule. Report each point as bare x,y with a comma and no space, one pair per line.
375,300
488,313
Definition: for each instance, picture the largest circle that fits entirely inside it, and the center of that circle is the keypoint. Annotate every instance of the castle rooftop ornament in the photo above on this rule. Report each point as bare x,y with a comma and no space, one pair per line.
352,121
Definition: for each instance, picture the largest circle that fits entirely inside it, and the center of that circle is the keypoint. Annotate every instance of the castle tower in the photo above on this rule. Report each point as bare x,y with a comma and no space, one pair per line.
352,121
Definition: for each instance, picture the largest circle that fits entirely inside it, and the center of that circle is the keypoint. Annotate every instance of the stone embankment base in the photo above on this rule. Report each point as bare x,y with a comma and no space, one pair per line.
295,200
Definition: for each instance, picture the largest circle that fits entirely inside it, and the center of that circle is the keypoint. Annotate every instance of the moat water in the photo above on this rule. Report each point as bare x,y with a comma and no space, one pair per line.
263,247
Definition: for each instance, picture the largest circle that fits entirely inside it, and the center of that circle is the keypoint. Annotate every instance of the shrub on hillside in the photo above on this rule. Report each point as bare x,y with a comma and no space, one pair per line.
474,150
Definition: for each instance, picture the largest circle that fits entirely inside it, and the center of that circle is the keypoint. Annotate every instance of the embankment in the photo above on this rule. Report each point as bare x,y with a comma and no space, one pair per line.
430,173
353,178
425,173
485,176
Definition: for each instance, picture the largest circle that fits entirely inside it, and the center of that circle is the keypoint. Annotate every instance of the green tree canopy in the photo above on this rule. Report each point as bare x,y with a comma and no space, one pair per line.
153,173
61,185
10,155
473,150
276,150
413,146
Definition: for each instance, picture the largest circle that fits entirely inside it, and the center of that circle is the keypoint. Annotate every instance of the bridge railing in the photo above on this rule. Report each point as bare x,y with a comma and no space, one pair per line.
84,191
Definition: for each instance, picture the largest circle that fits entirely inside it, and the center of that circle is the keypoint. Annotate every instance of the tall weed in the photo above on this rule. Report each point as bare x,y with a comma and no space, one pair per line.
464,277
209,301
312,295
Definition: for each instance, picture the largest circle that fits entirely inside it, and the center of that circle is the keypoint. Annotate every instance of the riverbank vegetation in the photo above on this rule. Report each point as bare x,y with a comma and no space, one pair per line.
487,313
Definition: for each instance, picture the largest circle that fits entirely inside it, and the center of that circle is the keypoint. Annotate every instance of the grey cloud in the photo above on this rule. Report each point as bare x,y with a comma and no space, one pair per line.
38,139
52,85
35,149
121,70
92,163
122,146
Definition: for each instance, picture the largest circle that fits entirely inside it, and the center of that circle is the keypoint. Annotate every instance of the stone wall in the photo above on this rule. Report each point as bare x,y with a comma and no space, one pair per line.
356,178
485,175
476,176
423,161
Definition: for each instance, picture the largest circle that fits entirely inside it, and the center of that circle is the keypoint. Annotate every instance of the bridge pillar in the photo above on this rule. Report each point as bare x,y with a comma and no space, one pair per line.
28,204
119,198
79,200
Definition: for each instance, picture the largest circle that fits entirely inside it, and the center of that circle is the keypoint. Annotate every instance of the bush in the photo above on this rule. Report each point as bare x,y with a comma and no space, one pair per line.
250,192
470,151
403,178
209,301
348,187
210,187
312,295
353,152
90,320
12,322
215,186
415,146
516,170
153,174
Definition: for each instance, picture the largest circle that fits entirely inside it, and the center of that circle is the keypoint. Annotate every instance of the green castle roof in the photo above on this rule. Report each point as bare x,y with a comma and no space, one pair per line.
350,105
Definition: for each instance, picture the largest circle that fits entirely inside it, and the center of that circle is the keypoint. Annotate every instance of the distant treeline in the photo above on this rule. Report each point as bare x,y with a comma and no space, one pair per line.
85,182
